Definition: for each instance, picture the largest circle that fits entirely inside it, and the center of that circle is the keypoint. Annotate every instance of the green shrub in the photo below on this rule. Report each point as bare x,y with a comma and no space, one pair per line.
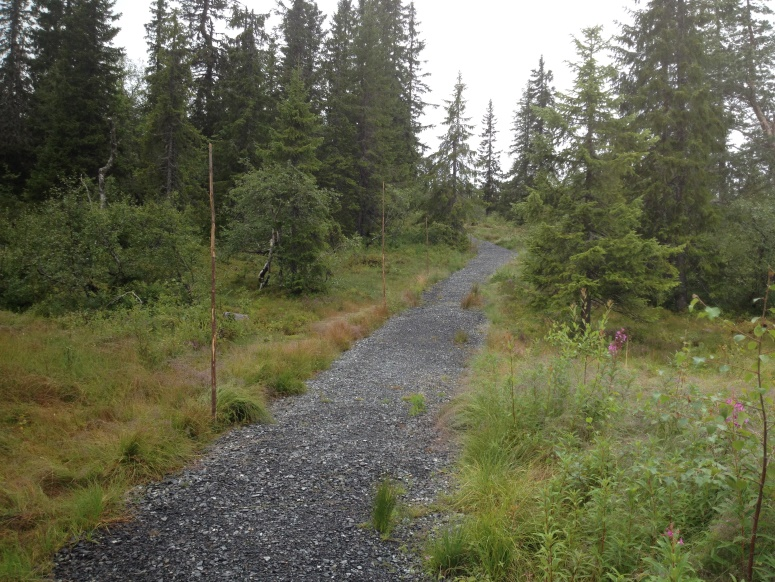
70,254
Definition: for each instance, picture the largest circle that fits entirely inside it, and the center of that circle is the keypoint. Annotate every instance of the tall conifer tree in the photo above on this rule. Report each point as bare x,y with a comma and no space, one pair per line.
339,151
488,161
454,161
15,93
247,105
586,249
669,88
171,148
77,86
533,144
302,32
204,18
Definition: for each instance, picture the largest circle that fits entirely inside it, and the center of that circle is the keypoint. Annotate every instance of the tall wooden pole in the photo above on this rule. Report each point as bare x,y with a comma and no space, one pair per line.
384,289
427,250
213,381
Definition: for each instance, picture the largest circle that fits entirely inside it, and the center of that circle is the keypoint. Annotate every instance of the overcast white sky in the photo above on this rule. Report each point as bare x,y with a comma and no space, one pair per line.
493,43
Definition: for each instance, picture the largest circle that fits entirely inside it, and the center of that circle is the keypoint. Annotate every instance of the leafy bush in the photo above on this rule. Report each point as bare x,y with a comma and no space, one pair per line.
281,213
69,254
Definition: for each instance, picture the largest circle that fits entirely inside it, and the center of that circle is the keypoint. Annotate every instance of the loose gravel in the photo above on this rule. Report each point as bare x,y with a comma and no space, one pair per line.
292,500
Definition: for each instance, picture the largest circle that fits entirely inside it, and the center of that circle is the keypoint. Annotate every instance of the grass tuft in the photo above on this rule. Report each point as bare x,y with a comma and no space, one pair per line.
473,298
385,502
235,407
448,554
416,404
461,337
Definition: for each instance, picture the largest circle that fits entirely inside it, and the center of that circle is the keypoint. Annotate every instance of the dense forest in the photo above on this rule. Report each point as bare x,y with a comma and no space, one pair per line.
647,181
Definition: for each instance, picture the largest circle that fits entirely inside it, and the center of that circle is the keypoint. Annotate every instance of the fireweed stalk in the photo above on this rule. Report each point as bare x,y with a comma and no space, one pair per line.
755,342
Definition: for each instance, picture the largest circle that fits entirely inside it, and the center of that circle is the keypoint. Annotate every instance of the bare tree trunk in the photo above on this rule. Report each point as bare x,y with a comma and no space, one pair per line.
111,160
263,275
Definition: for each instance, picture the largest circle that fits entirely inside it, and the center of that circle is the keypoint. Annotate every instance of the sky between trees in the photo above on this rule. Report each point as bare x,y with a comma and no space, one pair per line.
492,43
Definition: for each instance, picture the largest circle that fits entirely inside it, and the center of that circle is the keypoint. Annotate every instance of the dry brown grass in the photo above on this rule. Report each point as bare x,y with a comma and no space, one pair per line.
472,299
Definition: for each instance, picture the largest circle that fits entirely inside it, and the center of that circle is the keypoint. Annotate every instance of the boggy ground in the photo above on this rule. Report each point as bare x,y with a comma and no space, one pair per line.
289,501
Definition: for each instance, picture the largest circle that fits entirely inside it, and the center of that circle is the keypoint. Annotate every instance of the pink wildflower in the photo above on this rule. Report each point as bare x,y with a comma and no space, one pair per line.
619,340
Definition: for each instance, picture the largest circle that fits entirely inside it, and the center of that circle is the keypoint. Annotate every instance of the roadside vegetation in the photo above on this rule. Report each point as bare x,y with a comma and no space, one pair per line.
631,449
98,401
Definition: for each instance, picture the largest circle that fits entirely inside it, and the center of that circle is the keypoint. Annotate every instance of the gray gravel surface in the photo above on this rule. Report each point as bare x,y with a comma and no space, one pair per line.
292,500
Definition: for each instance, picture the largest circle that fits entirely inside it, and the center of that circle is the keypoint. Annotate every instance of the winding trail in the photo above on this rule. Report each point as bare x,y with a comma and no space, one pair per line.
288,501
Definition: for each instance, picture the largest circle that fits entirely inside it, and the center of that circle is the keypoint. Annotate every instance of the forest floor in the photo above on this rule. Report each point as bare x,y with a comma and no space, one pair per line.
292,500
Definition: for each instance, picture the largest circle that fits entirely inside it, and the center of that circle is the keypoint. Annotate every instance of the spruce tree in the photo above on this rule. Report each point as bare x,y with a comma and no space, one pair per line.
586,249
296,139
339,150
15,93
203,18
302,32
488,161
669,87
379,105
172,146
533,144
247,105
77,90
454,165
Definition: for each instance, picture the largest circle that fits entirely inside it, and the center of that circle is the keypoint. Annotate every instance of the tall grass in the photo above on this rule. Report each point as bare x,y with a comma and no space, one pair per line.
95,403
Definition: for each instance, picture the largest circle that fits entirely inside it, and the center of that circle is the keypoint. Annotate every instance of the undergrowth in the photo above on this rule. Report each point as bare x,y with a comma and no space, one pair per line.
606,454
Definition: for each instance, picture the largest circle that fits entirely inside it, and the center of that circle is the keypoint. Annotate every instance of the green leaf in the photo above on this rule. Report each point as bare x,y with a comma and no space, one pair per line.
698,361
739,338
758,331
724,369
752,345
748,377
755,319
713,312
764,358
738,445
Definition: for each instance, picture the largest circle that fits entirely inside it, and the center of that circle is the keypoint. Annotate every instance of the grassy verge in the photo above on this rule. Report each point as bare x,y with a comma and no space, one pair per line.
95,403
582,461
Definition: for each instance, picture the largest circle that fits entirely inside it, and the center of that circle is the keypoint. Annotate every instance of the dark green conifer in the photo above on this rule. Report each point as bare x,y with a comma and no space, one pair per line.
77,75
488,161
15,94
669,88
586,249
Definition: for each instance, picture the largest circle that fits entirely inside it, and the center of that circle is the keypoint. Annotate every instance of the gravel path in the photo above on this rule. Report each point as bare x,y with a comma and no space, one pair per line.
289,501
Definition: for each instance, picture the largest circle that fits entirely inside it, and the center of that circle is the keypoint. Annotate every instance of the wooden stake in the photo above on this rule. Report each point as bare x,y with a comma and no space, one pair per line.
427,250
384,289
213,381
